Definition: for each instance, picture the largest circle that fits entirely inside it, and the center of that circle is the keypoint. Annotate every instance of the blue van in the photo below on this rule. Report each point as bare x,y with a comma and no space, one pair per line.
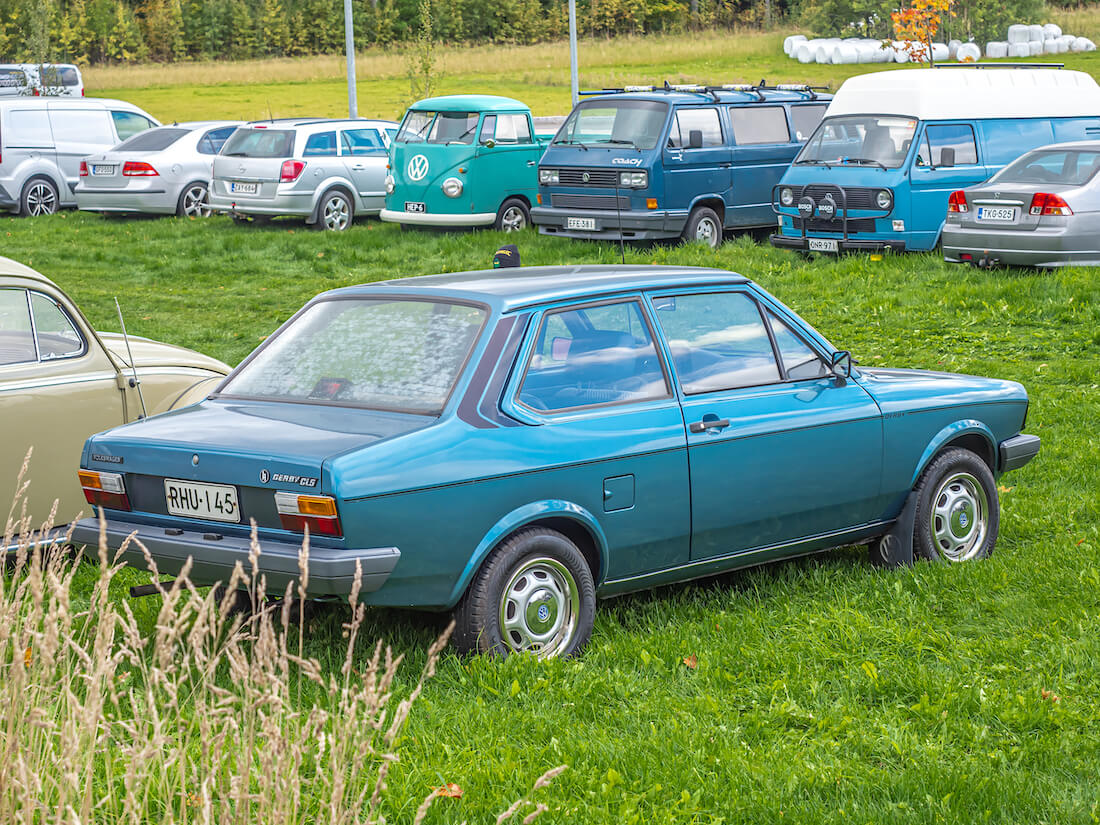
894,145
685,161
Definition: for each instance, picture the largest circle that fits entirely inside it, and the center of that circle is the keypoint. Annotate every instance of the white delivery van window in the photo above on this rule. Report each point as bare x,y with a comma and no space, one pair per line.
29,128
81,126
764,124
950,144
690,120
129,124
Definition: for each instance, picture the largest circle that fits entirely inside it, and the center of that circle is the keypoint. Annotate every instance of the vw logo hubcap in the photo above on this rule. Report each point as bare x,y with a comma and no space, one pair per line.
418,167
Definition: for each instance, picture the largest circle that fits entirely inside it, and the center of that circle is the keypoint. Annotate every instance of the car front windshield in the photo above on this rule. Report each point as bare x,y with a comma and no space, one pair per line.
401,354
860,140
1071,167
637,123
438,127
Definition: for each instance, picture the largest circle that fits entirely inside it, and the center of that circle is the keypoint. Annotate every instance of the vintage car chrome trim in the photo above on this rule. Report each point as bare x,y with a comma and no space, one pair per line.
438,218
55,381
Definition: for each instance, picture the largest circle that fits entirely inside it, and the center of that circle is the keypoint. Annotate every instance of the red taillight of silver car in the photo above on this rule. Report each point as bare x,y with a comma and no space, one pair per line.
1043,203
291,170
83,169
956,202
138,169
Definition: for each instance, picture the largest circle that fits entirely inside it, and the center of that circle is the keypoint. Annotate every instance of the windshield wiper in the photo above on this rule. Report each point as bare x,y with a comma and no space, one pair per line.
813,162
571,143
236,154
624,143
862,161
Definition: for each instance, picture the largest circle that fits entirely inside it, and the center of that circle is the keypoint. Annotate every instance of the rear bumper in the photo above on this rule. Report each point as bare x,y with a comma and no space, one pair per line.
1054,246
1017,451
610,225
331,572
438,219
299,204
123,200
850,245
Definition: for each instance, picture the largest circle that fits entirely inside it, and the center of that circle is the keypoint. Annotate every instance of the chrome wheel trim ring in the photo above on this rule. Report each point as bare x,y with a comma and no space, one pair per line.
707,232
337,213
513,219
41,199
959,520
540,608
194,202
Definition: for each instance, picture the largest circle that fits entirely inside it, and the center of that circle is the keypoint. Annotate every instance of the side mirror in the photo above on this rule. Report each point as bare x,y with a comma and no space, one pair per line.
947,156
695,139
489,143
840,364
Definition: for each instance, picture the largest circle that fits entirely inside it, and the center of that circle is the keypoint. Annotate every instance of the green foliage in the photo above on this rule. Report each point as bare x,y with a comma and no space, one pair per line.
421,56
977,19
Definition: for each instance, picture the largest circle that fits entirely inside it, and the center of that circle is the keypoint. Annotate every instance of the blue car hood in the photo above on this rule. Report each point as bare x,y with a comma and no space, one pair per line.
899,390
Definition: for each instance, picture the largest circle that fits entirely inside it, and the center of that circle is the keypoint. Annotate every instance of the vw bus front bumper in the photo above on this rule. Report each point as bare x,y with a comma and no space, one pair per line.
438,218
608,224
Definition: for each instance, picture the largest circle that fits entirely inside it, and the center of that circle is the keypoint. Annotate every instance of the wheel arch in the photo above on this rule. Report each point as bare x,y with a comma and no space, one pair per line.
326,187
46,175
968,434
568,518
711,201
514,197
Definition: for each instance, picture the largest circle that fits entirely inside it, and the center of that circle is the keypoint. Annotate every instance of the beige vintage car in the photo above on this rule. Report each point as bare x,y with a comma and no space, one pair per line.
61,381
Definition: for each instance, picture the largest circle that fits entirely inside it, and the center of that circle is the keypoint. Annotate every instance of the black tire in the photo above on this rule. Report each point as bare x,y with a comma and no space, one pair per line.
958,510
703,224
335,211
39,197
513,216
192,201
538,570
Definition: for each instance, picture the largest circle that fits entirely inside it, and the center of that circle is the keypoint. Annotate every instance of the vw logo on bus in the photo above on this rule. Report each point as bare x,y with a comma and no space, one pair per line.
417,168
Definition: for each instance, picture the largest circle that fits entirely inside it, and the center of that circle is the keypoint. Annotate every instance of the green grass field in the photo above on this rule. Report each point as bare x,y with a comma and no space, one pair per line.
825,691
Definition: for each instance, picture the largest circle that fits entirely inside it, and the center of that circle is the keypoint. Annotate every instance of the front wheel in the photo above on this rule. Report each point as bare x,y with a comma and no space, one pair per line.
192,202
958,511
513,216
534,594
335,212
703,225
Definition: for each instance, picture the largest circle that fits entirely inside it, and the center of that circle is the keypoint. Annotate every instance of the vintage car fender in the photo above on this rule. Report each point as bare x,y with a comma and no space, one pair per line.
527,514
967,426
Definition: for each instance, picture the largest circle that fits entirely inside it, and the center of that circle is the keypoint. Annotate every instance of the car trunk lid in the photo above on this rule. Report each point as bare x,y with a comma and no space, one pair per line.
1008,206
251,162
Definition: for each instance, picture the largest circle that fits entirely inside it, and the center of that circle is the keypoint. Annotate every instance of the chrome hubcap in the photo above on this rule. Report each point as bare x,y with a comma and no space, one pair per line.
41,199
707,232
539,608
194,203
337,215
513,219
960,516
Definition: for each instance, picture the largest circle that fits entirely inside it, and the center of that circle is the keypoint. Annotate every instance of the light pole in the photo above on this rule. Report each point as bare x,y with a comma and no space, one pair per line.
349,46
573,87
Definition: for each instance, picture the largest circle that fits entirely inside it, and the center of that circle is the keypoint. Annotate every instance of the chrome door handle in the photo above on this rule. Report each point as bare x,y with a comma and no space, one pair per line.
531,163
708,424
359,167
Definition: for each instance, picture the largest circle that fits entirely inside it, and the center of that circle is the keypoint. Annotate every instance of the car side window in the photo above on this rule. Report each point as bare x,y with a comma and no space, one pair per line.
362,142
211,143
950,145
127,124
799,361
55,332
16,334
509,129
805,119
687,121
759,124
592,356
322,144
718,341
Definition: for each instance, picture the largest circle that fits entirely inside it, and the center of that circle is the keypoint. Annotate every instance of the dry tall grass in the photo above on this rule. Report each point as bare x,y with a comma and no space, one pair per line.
199,722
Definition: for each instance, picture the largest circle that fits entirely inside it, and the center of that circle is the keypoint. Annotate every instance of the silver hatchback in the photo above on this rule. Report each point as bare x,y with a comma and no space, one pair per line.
162,171
1041,210
326,171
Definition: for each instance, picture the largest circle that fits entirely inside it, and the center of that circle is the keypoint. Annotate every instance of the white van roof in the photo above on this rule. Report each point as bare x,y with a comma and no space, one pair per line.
969,93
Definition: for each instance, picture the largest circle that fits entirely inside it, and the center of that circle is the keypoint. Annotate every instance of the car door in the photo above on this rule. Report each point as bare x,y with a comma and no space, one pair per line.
506,159
78,133
607,433
57,387
694,170
778,448
364,154
947,159
762,151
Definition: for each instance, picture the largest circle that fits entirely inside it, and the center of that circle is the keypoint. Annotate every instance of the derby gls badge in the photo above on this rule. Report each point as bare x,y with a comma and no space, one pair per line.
417,168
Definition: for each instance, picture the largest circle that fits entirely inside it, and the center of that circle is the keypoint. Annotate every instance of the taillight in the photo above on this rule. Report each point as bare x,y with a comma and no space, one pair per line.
956,202
318,513
291,170
104,490
1046,204
83,169
138,169
37,93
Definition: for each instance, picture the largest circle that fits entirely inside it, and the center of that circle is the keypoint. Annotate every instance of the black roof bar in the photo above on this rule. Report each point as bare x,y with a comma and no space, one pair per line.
998,65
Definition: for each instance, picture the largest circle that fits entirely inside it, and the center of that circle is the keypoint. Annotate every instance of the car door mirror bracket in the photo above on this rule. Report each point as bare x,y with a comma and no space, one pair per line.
840,364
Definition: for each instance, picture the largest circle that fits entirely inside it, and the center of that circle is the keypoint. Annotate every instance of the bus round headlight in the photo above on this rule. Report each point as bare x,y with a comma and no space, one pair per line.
452,187
884,199
786,196
390,184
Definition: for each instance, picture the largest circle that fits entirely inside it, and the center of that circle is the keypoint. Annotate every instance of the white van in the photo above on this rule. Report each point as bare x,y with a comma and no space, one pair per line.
40,79
43,139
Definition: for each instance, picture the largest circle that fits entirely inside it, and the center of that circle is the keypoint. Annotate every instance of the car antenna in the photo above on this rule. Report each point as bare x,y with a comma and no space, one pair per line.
134,382
270,119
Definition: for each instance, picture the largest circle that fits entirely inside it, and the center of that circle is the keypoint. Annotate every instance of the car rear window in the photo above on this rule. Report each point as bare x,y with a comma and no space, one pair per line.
1072,167
260,143
12,78
60,76
400,354
153,140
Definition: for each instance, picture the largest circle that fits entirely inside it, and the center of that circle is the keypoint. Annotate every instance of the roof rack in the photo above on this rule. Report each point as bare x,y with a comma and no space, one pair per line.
712,89
998,65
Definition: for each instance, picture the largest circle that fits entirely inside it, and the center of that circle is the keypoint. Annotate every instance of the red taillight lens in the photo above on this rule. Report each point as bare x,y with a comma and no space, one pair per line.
83,169
1046,204
104,490
291,170
37,93
318,513
956,202
138,169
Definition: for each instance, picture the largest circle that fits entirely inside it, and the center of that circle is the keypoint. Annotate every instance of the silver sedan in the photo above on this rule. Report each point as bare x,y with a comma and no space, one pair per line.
1041,210
161,171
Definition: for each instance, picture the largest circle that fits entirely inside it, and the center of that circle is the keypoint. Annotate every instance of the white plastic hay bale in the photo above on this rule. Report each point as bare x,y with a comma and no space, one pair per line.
968,52
1051,46
996,49
1067,39
900,55
1035,48
1019,50
866,53
953,48
790,44
1018,33
823,54
1083,44
1052,31
1034,32
1064,45
804,53
941,52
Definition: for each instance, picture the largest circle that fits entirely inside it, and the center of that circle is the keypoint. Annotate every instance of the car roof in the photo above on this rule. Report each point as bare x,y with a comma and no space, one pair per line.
514,288
14,268
469,103
318,121
76,102
199,124
701,98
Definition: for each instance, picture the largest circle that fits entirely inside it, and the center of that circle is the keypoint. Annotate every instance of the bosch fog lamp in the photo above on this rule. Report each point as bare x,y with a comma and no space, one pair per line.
452,187
634,180
391,184
786,196
548,176
884,199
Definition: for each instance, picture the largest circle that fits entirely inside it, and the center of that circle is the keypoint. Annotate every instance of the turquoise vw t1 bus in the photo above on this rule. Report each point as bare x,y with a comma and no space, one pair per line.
893,146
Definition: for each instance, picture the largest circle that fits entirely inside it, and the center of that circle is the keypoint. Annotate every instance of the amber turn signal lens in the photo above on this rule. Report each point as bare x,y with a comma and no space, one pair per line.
316,506
650,203
89,479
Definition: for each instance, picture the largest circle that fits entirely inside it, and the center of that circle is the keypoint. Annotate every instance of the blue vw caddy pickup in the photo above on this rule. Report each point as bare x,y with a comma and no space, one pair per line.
878,171
512,444
680,161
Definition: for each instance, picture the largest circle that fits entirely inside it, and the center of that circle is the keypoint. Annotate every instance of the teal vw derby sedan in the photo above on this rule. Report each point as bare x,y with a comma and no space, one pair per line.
512,444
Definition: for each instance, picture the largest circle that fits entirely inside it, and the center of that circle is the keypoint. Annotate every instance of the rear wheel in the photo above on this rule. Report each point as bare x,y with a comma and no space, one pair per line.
958,512
192,201
703,225
513,216
39,197
335,212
